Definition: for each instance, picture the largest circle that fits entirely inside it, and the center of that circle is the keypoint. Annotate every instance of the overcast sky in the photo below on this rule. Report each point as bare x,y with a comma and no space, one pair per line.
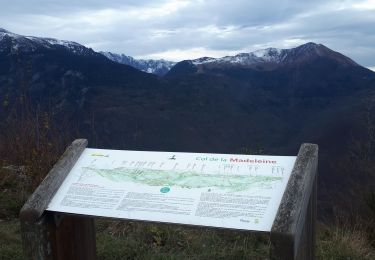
179,29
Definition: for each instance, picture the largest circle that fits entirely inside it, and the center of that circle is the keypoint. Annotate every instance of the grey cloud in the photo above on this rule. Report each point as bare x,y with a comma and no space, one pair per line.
50,7
241,12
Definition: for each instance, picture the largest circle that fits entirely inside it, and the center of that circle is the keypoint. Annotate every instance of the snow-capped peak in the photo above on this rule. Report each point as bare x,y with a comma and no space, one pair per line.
30,43
3,31
263,55
268,54
52,41
272,57
158,67
204,60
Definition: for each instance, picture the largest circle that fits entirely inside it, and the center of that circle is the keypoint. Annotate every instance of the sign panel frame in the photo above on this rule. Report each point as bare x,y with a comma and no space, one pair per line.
215,190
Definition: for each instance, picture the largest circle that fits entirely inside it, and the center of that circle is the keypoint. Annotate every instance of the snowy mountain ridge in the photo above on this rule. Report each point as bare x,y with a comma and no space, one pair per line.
22,43
271,58
264,55
158,67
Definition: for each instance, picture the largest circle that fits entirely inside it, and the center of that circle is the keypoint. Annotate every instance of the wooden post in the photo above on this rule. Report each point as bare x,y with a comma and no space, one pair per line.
49,235
293,231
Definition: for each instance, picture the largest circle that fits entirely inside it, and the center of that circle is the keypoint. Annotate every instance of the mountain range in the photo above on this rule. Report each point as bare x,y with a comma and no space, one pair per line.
270,100
158,67
265,59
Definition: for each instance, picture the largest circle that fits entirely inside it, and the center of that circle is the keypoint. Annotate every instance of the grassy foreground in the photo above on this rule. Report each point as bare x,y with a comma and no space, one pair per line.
130,240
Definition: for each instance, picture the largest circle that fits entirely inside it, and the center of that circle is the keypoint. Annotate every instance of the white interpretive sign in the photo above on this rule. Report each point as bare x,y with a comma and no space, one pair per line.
217,190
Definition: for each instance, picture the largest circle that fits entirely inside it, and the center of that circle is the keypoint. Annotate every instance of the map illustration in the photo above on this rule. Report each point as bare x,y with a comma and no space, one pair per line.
183,179
216,190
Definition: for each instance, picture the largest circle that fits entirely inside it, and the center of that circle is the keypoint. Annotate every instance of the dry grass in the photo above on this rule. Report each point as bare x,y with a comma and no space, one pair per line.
344,240
135,240
10,240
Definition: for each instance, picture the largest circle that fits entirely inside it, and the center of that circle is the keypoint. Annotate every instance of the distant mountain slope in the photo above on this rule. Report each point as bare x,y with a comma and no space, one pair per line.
266,59
17,43
59,73
277,99
308,70
277,56
158,67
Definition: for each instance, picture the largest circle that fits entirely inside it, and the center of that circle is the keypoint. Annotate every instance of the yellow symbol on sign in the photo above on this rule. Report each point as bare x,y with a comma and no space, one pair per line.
98,154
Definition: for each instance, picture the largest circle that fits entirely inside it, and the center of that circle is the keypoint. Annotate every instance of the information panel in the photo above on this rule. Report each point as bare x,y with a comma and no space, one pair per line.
218,190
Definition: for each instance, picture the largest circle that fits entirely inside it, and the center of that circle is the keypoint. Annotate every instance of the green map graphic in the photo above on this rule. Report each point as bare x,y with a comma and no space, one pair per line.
183,179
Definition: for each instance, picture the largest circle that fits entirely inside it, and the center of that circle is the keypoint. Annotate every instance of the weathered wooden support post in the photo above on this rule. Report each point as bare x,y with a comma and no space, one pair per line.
293,231
51,235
